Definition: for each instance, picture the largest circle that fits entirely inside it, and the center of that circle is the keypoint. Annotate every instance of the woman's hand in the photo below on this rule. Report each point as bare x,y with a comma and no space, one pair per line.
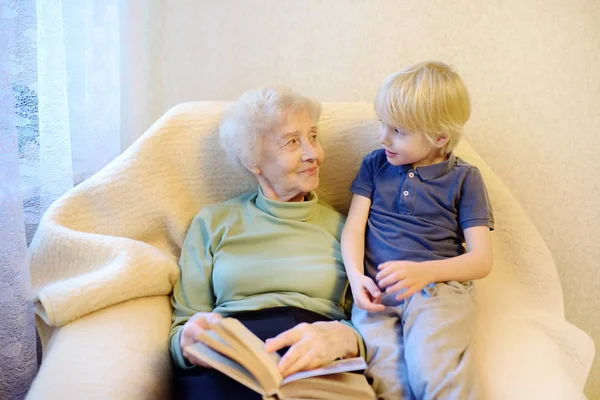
407,276
313,345
365,293
189,334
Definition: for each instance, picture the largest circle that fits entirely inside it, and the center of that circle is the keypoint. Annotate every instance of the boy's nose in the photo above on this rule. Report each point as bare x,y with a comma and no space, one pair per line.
383,137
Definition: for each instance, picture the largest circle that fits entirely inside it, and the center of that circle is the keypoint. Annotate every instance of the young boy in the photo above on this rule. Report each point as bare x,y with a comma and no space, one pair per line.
414,206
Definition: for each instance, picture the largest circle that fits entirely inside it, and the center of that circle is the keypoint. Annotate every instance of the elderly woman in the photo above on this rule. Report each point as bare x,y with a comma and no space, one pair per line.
270,258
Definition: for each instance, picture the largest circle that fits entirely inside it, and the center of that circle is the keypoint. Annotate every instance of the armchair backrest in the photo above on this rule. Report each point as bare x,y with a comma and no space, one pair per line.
132,216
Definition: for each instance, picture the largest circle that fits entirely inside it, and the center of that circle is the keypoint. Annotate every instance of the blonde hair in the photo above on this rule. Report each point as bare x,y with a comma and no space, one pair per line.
256,113
428,98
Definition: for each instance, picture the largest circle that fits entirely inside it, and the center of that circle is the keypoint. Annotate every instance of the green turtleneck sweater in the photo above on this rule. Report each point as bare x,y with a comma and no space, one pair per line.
252,253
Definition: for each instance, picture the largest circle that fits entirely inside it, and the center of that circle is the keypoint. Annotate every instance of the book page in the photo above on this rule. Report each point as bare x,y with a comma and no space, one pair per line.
238,332
232,349
215,342
350,364
343,386
225,365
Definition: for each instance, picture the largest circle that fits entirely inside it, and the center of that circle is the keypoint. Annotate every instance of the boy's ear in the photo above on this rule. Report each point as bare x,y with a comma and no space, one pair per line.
441,140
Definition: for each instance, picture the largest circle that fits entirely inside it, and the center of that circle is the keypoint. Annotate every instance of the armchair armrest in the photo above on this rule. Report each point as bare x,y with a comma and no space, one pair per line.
120,352
526,352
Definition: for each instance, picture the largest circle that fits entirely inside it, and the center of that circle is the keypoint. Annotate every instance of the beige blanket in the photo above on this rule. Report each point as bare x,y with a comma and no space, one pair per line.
116,238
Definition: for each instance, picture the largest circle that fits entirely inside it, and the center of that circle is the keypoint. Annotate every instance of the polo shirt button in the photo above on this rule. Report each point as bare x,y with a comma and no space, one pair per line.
405,193
411,174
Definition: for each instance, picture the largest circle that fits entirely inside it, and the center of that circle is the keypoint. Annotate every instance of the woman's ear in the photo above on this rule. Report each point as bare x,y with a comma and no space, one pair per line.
441,140
254,168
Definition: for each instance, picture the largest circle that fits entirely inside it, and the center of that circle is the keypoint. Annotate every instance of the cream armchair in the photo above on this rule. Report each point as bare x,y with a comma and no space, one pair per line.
105,257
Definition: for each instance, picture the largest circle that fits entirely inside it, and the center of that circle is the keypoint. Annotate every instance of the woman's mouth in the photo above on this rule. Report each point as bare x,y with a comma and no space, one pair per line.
310,171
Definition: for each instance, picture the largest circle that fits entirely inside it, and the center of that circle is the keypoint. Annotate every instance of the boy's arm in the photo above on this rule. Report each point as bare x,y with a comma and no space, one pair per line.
476,263
411,276
353,236
365,292
476,219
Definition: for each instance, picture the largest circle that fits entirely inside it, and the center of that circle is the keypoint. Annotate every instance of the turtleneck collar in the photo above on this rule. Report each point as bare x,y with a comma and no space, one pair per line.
291,210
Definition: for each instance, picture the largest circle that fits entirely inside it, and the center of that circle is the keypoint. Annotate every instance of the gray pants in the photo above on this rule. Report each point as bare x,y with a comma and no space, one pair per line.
420,348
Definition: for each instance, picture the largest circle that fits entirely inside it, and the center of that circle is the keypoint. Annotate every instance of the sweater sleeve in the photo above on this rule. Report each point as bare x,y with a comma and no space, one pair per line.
192,292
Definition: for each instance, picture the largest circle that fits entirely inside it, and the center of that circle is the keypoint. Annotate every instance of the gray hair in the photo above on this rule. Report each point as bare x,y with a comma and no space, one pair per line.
256,113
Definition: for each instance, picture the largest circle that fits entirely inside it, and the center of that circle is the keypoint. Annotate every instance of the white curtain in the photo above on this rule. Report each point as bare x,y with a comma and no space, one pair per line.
60,123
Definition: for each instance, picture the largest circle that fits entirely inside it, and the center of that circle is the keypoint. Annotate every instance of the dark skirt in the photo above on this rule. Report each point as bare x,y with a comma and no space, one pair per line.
210,384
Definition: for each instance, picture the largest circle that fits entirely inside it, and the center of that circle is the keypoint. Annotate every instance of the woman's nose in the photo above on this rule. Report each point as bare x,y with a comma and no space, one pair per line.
309,152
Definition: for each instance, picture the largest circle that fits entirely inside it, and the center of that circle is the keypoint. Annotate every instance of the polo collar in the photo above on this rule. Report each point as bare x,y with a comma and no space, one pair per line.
436,170
433,171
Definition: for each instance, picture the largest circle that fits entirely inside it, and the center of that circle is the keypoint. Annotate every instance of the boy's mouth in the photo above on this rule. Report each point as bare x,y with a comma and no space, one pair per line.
390,154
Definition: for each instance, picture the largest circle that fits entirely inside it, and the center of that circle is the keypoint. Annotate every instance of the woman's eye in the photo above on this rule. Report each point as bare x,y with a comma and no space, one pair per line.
314,136
292,142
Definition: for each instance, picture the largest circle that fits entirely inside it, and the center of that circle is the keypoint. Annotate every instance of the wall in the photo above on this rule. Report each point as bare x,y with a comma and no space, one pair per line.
532,67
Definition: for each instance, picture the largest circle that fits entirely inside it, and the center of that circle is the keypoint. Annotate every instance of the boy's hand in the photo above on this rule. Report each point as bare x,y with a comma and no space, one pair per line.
410,276
367,295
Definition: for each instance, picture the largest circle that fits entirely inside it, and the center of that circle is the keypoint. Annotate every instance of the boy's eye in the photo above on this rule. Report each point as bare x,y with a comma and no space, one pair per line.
398,132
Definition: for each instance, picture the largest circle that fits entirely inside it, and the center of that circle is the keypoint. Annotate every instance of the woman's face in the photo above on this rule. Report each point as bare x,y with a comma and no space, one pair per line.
290,158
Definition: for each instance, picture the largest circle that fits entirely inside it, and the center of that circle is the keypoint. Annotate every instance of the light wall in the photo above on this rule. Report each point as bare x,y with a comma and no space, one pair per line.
532,67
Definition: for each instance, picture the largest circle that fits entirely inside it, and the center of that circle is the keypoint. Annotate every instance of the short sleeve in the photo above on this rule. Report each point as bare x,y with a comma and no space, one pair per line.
363,183
474,204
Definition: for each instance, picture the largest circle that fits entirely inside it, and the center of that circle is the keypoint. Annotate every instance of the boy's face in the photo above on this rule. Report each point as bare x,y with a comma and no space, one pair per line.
403,148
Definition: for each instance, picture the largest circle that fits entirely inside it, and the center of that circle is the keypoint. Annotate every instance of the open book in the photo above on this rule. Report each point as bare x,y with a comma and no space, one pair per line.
235,351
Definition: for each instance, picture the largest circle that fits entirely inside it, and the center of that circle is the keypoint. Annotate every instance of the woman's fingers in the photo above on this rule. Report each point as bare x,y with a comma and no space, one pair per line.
189,334
291,358
188,337
213,318
199,323
205,320
314,345
305,361
303,339
285,339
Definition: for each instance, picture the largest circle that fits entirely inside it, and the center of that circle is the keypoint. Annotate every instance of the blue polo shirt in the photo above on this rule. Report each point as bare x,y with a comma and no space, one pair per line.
419,214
